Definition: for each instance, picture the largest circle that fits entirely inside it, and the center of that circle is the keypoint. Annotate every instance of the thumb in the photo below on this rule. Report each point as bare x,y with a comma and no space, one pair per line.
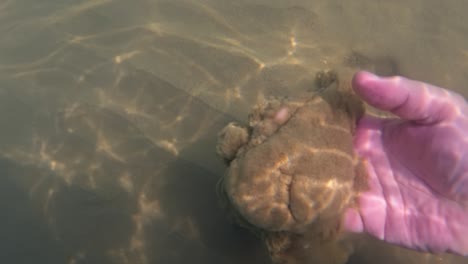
405,98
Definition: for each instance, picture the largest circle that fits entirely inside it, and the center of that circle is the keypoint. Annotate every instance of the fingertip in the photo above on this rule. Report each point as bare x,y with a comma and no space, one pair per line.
352,221
365,84
361,79
382,93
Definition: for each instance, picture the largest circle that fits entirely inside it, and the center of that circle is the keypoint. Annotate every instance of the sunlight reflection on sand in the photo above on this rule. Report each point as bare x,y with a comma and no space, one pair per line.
111,110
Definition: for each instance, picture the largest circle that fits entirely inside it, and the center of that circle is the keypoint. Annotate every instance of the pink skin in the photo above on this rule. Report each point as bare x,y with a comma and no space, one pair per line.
282,115
417,165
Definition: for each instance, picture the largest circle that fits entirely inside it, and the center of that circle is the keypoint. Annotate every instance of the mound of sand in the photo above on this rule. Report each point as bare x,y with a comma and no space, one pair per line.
292,171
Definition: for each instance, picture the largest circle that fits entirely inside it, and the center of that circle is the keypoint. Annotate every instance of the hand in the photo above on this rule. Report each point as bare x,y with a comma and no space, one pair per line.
417,165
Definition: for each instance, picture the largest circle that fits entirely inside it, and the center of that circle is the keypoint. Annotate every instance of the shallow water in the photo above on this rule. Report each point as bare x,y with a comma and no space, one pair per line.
110,109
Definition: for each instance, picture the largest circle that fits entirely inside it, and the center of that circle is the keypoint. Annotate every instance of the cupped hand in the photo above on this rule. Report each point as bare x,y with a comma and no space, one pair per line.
417,165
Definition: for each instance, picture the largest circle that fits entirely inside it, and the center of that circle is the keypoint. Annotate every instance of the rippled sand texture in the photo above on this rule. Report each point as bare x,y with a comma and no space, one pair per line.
110,109
295,173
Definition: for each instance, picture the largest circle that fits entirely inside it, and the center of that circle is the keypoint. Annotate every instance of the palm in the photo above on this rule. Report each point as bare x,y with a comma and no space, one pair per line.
418,172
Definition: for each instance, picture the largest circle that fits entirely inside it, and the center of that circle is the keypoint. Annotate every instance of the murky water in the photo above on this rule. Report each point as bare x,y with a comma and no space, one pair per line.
110,109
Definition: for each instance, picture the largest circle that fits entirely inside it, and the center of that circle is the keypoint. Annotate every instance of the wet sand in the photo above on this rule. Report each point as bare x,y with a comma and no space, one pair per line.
110,110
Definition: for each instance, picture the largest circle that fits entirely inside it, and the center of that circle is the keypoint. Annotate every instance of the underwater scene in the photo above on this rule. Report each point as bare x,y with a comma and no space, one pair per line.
184,131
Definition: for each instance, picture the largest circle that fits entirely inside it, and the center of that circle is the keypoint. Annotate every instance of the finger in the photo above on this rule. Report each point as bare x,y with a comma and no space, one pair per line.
406,98
352,221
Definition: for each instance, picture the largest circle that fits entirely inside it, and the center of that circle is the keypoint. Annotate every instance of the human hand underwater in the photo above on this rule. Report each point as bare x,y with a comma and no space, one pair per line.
417,165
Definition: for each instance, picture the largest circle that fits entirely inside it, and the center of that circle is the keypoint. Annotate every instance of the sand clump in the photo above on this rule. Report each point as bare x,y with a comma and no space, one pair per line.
292,172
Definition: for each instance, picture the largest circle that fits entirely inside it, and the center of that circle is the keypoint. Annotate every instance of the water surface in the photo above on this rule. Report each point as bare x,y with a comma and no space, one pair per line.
110,109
